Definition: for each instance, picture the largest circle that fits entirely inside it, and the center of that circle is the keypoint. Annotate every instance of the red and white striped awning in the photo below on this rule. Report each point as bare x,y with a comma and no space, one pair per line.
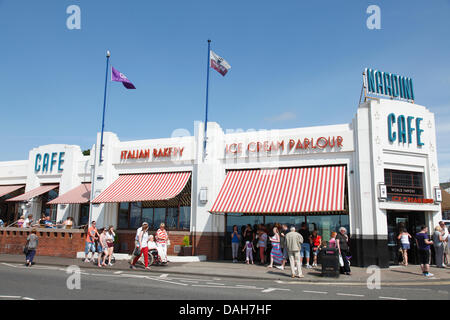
144,187
282,191
78,195
35,192
4,190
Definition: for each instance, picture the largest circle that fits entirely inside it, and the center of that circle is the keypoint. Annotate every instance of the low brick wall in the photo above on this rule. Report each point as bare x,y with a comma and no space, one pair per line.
52,242
66,243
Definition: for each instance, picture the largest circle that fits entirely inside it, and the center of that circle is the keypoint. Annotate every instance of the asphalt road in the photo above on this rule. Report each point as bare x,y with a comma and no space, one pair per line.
41,282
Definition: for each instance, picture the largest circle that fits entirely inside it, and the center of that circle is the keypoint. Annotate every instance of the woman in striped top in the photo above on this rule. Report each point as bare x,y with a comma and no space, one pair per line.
161,241
275,255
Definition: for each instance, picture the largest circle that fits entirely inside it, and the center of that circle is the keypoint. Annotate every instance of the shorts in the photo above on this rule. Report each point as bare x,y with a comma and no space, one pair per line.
90,246
305,250
99,249
424,256
406,246
315,250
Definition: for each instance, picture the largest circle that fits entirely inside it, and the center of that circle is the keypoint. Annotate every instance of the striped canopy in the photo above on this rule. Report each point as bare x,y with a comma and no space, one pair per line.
282,191
144,187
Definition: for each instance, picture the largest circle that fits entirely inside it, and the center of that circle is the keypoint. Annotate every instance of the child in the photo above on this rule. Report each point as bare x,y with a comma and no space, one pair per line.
249,251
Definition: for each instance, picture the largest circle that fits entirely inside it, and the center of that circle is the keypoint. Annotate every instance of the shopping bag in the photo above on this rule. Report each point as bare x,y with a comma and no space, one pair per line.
341,261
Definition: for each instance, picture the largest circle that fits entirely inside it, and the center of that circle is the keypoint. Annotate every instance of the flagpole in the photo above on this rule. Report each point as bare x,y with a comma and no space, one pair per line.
108,54
207,91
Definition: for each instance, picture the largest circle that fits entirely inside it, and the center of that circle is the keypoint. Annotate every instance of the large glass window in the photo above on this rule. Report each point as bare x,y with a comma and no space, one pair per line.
123,215
84,214
159,217
135,215
147,216
324,224
131,216
172,218
185,218
403,183
49,210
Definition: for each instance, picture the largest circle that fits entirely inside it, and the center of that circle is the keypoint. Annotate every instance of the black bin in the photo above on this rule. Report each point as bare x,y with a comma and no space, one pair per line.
329,258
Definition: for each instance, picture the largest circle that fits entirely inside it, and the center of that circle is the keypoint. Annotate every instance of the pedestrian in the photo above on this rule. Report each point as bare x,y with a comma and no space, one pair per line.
294,242
30,247
235,239
143,245
136,241
249,248
102,249
276,255
404,237
445,236
438,243
344,249
68,224
162,239
28,221
316,243
423,244
20,221
109,237
284,231
306,245
262,244
92,235
332,242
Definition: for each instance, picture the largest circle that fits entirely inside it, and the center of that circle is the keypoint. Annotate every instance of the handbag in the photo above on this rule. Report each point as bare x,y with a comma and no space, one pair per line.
341,261
137,252
25,249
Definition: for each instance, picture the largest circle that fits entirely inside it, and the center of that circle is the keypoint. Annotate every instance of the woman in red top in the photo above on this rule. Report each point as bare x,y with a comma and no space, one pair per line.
316,242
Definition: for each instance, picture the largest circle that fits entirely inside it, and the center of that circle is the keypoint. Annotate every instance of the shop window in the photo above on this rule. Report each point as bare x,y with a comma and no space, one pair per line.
172,218
135,215
147,216
123,215
131,216
84,215
159,217
185,218
403,183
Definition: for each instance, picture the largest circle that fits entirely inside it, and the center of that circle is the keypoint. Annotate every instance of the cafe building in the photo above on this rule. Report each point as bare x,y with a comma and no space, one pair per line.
372,175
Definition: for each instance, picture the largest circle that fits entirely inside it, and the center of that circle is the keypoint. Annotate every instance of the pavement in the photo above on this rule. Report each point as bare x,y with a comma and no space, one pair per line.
240,270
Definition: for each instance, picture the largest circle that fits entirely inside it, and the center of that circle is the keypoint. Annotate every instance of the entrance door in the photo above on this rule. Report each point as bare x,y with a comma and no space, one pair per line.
411,220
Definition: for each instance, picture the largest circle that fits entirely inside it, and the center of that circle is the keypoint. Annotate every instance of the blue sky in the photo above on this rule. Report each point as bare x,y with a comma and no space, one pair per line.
294,64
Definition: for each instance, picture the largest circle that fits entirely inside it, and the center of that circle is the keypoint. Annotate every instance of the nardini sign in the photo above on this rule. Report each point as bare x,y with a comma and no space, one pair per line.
388,84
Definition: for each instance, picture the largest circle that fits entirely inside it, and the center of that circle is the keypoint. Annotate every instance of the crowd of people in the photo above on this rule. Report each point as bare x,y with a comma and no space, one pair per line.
270,245
44,221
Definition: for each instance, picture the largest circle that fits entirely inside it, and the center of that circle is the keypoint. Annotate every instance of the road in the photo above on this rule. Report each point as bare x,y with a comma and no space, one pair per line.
42,282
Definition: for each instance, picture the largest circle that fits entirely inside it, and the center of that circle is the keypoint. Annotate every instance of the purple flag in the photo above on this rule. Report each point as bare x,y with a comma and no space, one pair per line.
120,77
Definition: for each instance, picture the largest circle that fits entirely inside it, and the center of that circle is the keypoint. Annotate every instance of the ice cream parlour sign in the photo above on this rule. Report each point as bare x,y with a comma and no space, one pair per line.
291,145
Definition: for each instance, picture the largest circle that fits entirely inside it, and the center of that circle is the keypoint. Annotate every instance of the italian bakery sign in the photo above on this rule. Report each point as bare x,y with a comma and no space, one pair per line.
388,85
305,144
149,153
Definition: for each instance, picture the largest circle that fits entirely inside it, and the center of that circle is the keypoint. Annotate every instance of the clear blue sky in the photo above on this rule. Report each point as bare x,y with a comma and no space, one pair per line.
294,64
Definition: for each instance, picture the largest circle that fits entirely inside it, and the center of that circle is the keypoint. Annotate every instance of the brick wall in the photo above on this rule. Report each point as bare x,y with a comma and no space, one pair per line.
66,243
52,242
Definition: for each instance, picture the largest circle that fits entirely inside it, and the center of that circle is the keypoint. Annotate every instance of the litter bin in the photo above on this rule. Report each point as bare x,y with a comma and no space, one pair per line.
329,258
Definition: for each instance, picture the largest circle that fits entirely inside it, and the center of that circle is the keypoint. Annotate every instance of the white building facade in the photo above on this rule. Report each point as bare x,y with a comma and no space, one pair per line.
374,175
